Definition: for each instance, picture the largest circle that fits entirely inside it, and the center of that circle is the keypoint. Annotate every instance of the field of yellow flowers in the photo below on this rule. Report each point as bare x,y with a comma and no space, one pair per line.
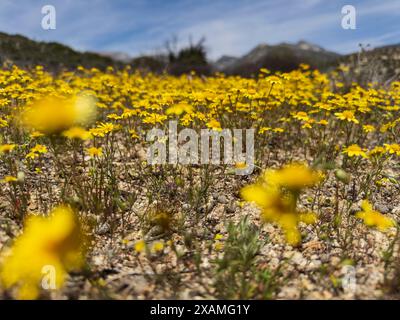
83,215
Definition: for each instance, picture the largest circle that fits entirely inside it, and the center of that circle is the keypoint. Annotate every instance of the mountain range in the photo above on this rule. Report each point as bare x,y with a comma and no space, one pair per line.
281,57
24,52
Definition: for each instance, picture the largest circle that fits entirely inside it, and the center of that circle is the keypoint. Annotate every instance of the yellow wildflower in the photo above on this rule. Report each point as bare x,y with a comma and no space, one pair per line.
133,134
214,125
354,151
3,123
374,218
140,246
154,118
294,176
218,236
323,122
8,179
103,129
53,115
264,129
95,152
393,148
377,151
39,148
54,241
240,165
368,128
346,115
5,148
77,133
301,116
157,246
179,108
36,134
278,205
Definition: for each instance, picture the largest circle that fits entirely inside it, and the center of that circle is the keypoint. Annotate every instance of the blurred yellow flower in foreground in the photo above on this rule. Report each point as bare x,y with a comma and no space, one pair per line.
55,115
54,241
374,218
277,192
5,148
294,176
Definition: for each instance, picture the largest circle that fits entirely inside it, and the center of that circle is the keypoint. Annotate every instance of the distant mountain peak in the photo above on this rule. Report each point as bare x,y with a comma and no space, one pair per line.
224,62
117,56
304,45
283,56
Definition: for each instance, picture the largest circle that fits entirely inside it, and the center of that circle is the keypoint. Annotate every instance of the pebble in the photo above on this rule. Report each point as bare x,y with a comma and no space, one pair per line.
154,233
230,208
307,284
299,260
382,208
289,293
396,210
99,260
222,199
103,229
314,264
274,263
335,261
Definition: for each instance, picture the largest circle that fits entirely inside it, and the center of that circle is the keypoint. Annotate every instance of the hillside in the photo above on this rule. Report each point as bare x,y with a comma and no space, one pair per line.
281,57
25,52
379,64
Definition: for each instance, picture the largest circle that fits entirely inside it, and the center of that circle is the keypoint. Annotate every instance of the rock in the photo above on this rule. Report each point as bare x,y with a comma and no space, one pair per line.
274,263
334,261
154,233
141,284
230,208
355,207
208,207
222,199
289,293
396,210
211,205
382,208
314,264
307,284
299,260
288,254
103,229
324,258
99,260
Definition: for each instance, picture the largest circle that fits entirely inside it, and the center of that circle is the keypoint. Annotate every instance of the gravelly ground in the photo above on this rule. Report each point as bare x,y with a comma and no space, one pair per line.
315,270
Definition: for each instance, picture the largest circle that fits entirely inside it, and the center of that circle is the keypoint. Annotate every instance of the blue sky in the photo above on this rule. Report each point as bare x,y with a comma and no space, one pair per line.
231,27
